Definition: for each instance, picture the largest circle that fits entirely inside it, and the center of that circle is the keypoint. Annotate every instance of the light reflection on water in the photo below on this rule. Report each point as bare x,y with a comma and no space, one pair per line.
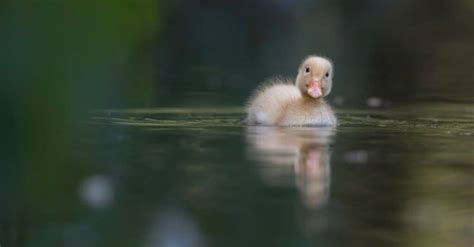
174,227
96,191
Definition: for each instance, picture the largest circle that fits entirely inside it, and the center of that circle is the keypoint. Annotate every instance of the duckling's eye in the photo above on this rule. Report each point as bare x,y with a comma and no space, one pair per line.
307,70
327,74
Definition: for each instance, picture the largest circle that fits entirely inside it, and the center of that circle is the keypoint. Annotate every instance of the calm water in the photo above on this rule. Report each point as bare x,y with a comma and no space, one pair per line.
401,176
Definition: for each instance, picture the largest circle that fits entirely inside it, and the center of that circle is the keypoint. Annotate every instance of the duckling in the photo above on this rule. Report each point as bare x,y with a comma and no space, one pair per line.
284,103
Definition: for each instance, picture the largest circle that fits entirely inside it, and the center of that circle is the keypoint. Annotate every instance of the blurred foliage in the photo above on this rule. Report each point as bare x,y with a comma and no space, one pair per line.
216,52
59,60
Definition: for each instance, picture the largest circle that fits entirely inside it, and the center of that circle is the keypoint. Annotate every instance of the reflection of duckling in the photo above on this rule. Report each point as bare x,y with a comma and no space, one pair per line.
294,156
284,104
312,174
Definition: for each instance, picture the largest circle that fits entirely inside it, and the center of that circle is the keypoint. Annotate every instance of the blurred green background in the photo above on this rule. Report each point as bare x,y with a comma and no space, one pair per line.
60,60
115,54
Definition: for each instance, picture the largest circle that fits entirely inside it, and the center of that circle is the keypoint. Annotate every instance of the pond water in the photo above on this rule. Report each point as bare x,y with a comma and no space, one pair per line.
401,176
199,177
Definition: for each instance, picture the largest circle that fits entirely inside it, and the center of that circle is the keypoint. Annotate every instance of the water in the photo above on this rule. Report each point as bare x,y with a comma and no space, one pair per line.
399,176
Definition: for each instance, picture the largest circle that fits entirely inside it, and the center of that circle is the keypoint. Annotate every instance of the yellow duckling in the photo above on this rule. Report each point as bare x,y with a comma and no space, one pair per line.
294,104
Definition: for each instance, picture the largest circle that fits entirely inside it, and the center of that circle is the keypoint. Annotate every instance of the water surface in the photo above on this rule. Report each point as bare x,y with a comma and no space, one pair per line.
384,177
397,176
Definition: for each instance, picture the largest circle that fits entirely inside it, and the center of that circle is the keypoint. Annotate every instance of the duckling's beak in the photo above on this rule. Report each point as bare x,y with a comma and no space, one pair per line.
314,89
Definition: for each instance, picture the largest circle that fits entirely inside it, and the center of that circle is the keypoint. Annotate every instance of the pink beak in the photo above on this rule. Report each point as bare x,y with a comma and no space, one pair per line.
314,89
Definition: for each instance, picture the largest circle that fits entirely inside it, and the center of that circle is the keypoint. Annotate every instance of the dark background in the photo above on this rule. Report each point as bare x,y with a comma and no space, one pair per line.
85,55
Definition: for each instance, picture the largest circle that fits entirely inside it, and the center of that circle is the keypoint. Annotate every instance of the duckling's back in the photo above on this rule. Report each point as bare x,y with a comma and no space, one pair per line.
268,103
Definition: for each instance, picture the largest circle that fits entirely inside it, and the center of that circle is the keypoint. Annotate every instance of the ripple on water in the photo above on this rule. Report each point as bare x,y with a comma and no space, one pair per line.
438,119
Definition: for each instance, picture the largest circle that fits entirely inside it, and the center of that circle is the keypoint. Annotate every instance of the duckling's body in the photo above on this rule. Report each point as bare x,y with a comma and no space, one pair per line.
284,103
304,111
270,102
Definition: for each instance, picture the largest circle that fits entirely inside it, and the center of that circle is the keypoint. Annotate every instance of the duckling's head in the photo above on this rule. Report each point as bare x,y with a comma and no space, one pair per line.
315,77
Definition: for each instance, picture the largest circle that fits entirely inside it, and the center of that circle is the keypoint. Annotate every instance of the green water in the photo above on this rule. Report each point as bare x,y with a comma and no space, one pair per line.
399,176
